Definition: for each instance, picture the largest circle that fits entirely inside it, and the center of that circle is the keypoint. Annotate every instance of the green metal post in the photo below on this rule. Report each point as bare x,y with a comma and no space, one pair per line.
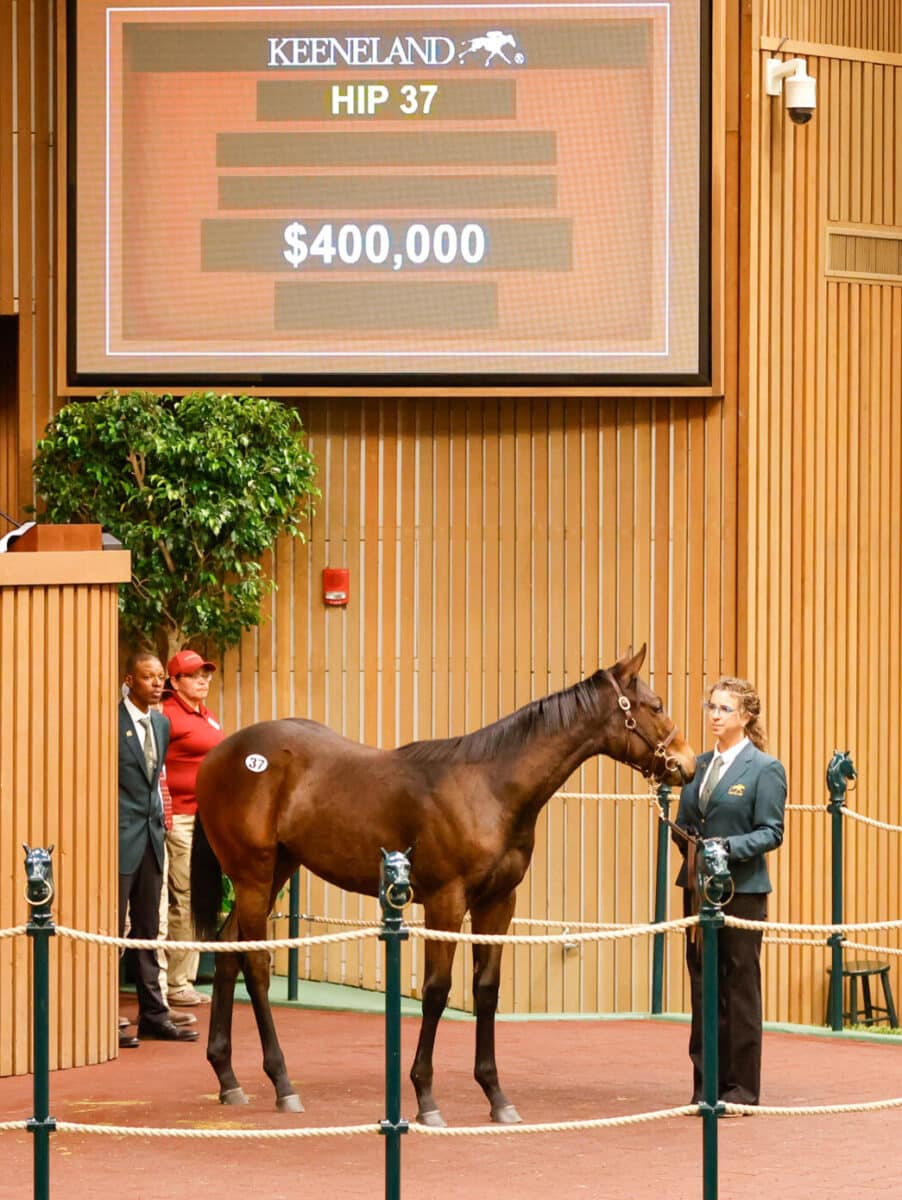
294,928
39,893
840,770
657,967
711,920
715,887
394,893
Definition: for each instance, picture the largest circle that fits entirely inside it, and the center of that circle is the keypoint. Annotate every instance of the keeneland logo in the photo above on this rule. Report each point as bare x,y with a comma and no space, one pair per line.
429,50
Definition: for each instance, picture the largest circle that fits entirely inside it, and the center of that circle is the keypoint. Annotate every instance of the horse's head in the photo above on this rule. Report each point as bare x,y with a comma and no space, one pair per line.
641,733
38,875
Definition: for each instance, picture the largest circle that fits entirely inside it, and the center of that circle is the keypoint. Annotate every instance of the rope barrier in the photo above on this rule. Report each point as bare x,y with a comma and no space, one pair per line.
546,939
574,931
604,796
871,949
685,1110
854,816
220,947
236,1134
811,1110
788,927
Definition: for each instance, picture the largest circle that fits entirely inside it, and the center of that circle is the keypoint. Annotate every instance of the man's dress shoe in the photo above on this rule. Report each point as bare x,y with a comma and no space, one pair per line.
182,1018
127,1042
165,1031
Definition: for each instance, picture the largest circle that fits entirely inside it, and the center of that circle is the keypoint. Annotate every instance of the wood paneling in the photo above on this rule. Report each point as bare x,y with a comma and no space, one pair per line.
502,546
857,24
500,551
58,664
824,445
28,99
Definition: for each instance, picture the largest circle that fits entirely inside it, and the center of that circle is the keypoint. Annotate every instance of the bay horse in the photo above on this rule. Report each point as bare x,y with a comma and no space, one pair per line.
289,793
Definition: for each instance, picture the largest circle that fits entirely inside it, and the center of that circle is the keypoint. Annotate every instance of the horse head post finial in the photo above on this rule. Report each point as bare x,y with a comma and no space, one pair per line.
841,777
715,883
395,891
38,881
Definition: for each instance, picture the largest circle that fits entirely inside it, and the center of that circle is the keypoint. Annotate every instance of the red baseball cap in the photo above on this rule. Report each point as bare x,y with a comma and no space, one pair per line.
186,662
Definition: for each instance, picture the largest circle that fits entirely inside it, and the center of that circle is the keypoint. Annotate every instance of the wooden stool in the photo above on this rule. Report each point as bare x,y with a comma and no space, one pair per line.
869,1014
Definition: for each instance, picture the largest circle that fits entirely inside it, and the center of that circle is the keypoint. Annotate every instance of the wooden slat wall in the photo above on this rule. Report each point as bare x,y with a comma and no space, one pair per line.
859,24
500,548
824,444
58,786
498,551
28,98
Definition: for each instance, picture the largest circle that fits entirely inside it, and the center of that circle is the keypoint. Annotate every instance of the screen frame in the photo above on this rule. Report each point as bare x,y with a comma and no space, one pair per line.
704,381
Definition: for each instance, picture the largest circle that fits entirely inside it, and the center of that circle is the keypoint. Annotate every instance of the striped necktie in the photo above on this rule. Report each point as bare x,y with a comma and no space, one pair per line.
150,750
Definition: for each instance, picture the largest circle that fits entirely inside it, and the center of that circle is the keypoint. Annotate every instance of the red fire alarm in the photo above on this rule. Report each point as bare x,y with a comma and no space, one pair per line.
336,585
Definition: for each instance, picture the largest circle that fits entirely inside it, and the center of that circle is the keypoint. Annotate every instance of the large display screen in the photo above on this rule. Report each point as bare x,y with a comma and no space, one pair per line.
388,191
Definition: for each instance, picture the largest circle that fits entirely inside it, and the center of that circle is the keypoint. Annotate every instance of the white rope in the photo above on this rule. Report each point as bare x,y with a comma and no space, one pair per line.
604,796
871,949
781,941
848,812
534,921
545,939
220,947
9,1126
788,927
14,931
270,1134
819,808
812,1110
686,1110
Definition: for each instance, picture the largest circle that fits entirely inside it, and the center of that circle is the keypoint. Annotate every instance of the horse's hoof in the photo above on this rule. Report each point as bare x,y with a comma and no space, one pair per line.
290,1103
233,1096
433,1118
507,1115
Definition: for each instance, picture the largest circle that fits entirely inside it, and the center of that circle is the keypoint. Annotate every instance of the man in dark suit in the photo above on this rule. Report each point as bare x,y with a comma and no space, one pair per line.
143,739
738,794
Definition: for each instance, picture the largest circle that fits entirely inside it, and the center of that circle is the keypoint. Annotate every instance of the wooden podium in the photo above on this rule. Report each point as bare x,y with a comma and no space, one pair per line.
58,782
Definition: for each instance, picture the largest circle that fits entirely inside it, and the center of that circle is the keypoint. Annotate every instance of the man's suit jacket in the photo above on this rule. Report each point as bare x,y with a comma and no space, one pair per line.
746,808
140,810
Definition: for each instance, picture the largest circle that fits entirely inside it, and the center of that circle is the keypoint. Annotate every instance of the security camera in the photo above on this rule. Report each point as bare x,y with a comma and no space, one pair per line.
800,90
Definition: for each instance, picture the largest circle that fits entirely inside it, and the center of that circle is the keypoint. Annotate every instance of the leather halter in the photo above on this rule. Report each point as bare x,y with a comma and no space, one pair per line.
659,749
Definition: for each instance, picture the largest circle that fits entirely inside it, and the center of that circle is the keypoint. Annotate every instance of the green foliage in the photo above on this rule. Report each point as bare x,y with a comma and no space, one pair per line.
197,488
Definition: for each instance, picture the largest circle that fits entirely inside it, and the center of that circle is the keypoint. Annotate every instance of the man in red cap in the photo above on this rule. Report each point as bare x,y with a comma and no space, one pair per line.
194,730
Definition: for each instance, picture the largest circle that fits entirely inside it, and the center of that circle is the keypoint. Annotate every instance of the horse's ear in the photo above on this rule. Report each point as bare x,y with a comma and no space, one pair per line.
631,664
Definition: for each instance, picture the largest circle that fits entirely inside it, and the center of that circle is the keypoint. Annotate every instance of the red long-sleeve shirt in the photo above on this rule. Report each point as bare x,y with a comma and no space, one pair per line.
192,734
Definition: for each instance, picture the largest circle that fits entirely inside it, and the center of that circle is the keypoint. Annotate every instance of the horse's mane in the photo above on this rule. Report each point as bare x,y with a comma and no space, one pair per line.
548,715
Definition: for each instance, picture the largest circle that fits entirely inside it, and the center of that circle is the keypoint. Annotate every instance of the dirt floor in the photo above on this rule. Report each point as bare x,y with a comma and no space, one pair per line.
552,1070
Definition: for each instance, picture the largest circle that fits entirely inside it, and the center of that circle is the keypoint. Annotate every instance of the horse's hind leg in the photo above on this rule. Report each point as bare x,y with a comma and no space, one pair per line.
219,1039
256,977
493,918
253,905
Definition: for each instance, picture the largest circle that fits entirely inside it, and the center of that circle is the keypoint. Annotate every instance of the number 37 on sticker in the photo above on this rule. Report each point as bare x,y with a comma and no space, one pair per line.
367,99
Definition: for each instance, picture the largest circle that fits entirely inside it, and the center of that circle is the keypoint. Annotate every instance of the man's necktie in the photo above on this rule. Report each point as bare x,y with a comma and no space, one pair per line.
150,751
711,782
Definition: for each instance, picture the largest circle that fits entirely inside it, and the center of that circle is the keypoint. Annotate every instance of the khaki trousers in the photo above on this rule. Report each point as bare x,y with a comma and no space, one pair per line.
181,964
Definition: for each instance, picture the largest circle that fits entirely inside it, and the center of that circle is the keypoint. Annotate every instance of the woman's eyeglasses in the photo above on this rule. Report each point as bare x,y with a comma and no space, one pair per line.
723,710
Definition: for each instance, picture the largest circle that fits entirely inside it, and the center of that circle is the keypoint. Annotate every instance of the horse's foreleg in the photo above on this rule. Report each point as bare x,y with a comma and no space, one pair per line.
219,1038
493,918
439,957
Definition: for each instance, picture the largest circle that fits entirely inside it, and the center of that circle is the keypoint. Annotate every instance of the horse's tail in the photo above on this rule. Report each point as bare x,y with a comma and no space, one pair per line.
206,884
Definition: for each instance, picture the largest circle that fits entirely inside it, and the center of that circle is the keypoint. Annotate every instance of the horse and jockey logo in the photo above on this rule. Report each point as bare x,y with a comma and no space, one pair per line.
493,44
